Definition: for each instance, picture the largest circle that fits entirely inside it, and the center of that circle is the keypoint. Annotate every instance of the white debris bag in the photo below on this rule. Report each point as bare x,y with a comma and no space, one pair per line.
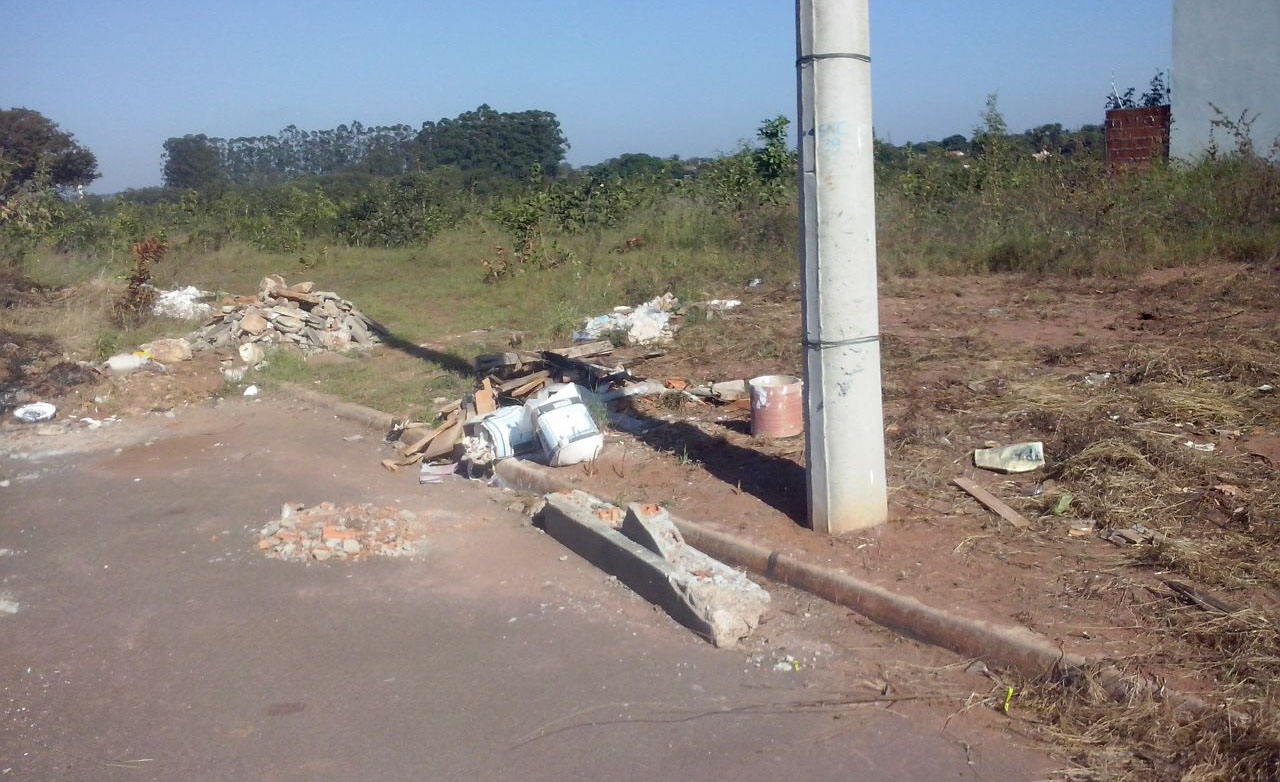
182,303
564,426
646,324
125,363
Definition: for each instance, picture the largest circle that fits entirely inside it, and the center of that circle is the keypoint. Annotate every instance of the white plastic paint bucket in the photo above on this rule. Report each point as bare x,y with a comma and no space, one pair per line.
565,428
509,432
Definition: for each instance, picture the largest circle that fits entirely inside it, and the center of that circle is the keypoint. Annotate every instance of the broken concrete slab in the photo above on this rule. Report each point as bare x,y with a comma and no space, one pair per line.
587,526
733,603
253,322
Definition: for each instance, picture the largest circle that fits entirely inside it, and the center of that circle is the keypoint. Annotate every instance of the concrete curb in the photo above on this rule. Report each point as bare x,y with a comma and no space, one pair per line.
1009,646
525,476
1006,645
366,416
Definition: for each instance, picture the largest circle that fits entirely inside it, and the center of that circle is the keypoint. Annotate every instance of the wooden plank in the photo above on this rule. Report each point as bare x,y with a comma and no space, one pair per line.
484,398
527,388
491,361
992,503
522,381
414,440
446,438
584,350
1203,599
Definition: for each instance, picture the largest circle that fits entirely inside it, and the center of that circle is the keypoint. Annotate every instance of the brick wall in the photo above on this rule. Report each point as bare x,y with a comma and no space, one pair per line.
1134,137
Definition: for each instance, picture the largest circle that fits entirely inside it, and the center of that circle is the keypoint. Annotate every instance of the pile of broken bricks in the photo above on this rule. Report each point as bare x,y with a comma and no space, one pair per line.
285,314
348,532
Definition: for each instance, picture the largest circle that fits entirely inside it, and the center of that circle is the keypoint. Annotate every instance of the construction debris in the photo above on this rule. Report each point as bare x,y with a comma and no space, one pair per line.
168,351
643,549
647,324
35,412
539,404
1131,536
1019,457
992,503
326,531
182,303
289,315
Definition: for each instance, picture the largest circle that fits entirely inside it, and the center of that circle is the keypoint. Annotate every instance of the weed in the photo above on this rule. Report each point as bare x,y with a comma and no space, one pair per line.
106,344
134,305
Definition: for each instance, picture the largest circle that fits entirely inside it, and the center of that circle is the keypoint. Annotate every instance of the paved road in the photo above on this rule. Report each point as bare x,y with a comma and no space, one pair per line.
152,641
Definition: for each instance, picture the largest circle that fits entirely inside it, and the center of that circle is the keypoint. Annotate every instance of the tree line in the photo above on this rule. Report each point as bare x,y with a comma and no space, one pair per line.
483,142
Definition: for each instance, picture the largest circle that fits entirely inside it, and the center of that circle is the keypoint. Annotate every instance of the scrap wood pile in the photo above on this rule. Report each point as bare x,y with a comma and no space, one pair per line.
289,315
509,380
538,404
550,386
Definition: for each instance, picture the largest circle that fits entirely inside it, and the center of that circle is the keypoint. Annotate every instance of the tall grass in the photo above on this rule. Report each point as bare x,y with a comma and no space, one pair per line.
413,252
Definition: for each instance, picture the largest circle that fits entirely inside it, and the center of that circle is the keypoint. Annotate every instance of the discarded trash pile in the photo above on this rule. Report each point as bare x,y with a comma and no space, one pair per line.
539,405
647,324
326,531
651,323
529,404
289,314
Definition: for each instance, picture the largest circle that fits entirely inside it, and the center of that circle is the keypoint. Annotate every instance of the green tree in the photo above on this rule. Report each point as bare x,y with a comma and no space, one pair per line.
32,145
192,162
493,142
633,164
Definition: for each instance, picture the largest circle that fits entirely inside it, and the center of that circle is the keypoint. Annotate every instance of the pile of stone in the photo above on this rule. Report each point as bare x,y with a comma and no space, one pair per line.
289,315
349,532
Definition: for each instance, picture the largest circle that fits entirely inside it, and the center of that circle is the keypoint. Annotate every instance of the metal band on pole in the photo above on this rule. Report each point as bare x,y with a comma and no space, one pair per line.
808,58
818,344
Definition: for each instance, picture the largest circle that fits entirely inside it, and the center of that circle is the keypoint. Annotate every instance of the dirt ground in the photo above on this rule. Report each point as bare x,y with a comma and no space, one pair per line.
974,362
1155,398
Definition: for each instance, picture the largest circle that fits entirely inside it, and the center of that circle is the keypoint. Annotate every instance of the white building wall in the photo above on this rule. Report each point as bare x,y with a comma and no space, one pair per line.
1225,52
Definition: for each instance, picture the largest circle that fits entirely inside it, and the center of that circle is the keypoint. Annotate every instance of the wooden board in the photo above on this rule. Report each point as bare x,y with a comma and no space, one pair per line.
442,444
1205,600
527,388
484,398
992,503
492,361
584,350
522,381
414,440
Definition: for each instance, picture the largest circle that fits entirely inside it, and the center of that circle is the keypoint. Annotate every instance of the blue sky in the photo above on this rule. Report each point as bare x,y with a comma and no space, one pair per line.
664,77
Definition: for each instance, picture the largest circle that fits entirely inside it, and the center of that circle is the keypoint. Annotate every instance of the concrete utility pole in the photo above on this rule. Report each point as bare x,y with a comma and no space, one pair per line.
844,440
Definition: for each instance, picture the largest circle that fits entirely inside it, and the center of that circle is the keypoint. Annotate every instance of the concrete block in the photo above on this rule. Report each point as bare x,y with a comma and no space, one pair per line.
698,599
732,603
